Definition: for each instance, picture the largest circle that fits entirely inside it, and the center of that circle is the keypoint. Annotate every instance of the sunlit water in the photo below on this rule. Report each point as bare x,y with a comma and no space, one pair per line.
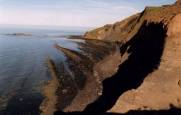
23,65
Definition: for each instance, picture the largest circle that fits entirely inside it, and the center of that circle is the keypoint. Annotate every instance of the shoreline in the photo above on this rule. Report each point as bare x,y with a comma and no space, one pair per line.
89,93
48,106
93,88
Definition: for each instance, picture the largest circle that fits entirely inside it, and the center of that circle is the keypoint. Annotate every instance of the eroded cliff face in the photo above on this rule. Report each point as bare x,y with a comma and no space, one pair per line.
160,88
149,76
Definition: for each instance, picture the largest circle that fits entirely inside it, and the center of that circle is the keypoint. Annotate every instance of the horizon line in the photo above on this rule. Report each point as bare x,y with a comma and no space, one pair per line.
47,25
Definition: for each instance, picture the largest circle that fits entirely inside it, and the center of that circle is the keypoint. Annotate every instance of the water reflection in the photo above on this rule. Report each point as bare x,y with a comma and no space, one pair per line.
23,71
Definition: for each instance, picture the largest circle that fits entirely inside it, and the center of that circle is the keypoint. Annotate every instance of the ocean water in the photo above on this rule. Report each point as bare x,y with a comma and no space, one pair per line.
23,64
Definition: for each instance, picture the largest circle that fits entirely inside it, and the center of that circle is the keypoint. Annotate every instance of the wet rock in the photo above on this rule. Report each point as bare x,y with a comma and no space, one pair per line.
79,85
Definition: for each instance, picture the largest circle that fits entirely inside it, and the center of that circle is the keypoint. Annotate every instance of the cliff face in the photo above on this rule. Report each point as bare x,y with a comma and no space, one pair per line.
113,32
160,88
148,77
126,29
141,72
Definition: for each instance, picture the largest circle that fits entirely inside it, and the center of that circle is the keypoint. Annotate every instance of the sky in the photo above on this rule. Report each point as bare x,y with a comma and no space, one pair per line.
82,13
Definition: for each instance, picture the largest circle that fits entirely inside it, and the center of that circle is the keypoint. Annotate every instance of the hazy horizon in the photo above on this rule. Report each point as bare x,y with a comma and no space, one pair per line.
43,26
82,13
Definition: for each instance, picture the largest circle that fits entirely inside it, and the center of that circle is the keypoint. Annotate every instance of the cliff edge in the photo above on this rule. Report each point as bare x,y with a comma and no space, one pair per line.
127,28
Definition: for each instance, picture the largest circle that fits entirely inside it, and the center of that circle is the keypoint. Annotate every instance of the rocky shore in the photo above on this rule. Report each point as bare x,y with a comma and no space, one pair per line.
79,82
130,67
151,43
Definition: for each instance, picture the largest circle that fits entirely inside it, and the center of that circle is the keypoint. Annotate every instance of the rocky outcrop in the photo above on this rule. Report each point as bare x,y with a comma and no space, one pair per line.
149,74
19,34
144,77
79,82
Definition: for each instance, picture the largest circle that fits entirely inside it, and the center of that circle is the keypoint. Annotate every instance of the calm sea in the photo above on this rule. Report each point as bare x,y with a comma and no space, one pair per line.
23,67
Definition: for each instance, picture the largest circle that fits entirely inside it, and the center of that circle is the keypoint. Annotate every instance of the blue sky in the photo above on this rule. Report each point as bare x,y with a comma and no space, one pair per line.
88,13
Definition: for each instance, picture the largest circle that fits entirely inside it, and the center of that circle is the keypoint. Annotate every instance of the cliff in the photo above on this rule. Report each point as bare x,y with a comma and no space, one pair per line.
148,77
126,29
141,77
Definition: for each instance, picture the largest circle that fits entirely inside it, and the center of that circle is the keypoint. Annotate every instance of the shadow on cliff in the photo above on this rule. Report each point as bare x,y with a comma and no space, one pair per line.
145,49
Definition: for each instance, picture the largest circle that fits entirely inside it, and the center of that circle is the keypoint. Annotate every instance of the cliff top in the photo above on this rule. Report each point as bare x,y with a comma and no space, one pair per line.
127,28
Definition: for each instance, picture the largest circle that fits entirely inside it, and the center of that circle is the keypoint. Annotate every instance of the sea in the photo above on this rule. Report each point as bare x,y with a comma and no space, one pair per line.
24,51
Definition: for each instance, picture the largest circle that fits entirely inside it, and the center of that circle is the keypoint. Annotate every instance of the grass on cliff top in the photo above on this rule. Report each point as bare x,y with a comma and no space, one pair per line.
155,9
